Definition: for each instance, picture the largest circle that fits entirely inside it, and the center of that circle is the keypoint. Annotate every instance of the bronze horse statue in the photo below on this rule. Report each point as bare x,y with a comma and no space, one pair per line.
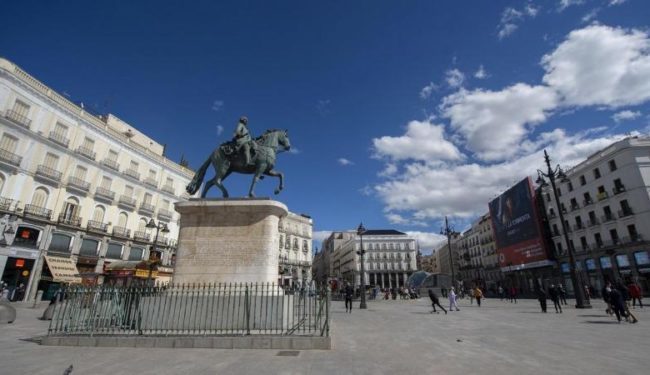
226,160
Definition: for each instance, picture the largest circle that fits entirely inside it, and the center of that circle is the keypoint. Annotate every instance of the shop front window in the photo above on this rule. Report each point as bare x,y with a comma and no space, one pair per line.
27,237
60,243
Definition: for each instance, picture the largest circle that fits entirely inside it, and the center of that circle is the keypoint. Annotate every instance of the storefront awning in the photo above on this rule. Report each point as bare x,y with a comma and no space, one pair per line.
63,270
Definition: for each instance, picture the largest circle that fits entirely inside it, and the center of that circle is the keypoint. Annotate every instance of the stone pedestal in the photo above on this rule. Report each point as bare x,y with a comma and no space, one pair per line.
228,241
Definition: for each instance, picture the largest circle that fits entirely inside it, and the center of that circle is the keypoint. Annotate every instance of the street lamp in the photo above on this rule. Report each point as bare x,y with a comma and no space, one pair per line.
552,174
360,231
160,227
449,231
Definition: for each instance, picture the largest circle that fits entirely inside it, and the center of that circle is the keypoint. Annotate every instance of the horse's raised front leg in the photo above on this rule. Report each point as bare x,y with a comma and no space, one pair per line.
280,175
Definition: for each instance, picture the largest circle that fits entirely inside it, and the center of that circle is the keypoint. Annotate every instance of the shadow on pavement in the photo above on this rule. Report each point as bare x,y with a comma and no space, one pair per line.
600,322
593,316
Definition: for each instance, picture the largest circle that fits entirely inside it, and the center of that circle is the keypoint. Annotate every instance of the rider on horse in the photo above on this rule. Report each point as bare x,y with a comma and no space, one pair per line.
242,138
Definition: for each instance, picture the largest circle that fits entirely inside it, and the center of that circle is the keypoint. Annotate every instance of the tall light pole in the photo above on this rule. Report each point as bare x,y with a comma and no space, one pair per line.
449,231
360,231
552,174
160,227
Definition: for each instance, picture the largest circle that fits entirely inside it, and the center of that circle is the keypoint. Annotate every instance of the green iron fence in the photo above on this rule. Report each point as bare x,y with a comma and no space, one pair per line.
197,309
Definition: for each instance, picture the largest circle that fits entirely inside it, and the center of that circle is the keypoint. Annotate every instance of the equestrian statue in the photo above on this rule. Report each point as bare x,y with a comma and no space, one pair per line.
245,155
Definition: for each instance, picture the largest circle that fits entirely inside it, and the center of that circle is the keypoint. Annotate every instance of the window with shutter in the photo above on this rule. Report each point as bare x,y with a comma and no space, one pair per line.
106,182
128,191
39,198
112,155
21,108
8,143
51,161
80,173
98,214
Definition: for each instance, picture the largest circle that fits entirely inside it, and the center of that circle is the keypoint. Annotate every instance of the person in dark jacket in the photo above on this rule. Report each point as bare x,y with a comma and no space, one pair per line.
349,294
435,301
562,293
617,302
605,292
541,297
554,293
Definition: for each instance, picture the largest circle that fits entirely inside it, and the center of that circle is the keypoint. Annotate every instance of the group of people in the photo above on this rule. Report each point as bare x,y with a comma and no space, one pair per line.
9,294
556,293
475,294
617,296
509,294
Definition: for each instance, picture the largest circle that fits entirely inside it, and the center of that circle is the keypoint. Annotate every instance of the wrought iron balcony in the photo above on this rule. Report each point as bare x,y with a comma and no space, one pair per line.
606,218
18,118
151,182
70,220
112,164
132,173
162,241
78,183
587,202
575,207
141,236
59,138
84,151
97,226
593,223
121,232
602,195
168,189
127,201
48,173
5,205
165,213
625,212
578,226
147,207
618,189
104,193
10,158
37,211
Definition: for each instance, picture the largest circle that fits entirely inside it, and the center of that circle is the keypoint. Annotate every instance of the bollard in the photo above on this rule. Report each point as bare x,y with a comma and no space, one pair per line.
39,298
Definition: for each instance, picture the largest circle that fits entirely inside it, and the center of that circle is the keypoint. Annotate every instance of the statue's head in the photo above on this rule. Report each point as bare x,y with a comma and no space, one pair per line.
243,120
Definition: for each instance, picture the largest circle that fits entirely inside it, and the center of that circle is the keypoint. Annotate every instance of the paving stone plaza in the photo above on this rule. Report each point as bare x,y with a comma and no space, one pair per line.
391,337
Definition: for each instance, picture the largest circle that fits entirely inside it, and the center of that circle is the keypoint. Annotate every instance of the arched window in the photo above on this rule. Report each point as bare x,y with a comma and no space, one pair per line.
98,214
39,198
147,198
142,225
122,219
295,244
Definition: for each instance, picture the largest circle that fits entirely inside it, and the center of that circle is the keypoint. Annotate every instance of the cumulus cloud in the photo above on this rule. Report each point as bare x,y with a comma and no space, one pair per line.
600,65
427,240
492,123
512,17
345,162
481,73
217,105
398,219
422,141
625,115
616,2
320,235
427,90
454,78
567,3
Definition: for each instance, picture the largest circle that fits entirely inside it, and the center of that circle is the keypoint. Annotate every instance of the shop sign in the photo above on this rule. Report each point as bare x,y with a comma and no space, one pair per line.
145,273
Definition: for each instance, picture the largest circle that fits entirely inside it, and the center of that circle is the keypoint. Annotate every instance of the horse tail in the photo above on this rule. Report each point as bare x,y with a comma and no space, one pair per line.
197,180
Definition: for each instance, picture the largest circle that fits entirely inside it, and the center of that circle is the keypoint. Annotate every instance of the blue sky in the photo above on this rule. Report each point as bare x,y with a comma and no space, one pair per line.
400,112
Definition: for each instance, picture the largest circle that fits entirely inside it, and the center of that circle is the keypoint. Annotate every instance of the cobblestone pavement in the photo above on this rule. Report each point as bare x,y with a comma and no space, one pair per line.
391,337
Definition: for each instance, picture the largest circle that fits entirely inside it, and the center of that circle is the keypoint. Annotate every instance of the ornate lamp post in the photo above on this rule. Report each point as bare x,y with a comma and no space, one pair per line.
552,174
160,227
360,231
449,231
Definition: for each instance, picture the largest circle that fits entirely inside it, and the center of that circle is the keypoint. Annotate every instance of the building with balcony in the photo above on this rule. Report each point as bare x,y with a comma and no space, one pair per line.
606,205
296,252
390,257
70,186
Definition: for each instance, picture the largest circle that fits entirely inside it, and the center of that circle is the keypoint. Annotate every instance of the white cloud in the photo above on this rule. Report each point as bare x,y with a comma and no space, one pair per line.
600,65
531,10
427,240
323,106
625,115
389,170
481,73
422,141
320,235
219,129
345,162
511,18
590,15
616,2
398,219
294,150
217,105
427,90
567,3
454,78
492,123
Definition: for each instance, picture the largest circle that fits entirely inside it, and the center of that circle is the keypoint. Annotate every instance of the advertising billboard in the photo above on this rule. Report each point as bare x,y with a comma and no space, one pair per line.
517,229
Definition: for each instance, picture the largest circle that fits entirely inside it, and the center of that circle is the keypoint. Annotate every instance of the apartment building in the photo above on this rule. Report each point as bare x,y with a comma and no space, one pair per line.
295,250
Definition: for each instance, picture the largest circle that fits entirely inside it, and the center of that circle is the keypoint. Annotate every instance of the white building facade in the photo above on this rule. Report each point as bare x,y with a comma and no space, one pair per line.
296,256
79,186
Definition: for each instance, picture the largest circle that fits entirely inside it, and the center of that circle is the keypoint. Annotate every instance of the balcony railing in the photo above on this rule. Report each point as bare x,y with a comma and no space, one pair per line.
165,213
575,207
38,211
587,202
112,164
168,189
10,158
162,241
5,204
578,226
125,200
78,183
18,118
84,151
74,221
121,232
141,236
104,193
618,189
97,226
147,207
606,218
625,212
133,174
59,138
593,223
602,195
151,182
48,173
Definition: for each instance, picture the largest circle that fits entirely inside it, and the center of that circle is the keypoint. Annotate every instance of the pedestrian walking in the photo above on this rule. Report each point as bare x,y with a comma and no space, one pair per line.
605,292
626,301
513,295
471,296
478,294
452,300
500,289
634,290
435,301
617,302
541,297
562,293
554,293
349,293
